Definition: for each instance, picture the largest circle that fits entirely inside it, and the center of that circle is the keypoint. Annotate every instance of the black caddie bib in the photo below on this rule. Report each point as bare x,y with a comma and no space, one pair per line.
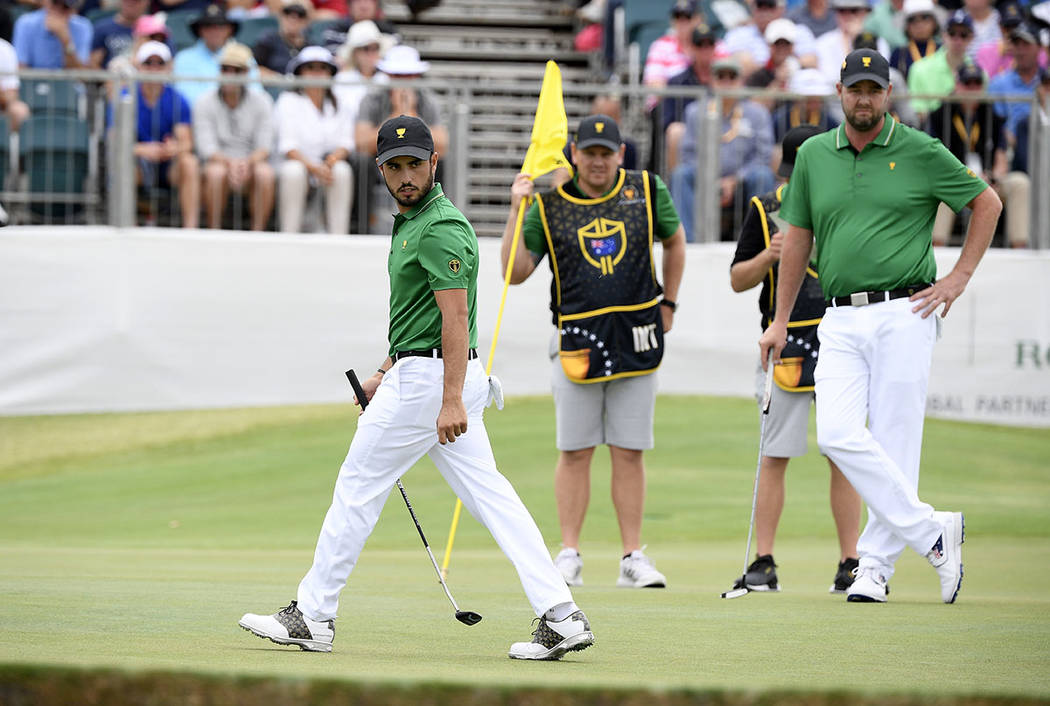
604,293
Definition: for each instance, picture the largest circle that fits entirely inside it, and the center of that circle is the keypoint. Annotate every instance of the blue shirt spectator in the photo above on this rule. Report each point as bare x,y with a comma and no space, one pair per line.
113,35
1014,82
157,122
39,47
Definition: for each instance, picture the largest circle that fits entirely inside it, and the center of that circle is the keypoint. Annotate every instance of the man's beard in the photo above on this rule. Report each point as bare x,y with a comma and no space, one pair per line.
864,124
416,197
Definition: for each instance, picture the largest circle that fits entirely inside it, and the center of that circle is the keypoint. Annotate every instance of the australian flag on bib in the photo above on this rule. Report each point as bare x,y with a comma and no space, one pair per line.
604,292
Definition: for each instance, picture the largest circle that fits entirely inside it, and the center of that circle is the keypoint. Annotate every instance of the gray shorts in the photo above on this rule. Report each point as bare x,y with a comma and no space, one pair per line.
618,412
788,420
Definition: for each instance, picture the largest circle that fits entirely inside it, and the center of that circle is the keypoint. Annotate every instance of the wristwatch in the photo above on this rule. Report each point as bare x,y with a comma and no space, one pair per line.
673,306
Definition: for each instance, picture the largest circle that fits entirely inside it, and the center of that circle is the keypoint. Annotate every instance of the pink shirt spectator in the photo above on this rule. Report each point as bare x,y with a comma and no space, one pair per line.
993,59
666,57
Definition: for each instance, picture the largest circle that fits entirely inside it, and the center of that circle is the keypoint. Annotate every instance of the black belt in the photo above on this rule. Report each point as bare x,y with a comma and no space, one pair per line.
432,353
865,298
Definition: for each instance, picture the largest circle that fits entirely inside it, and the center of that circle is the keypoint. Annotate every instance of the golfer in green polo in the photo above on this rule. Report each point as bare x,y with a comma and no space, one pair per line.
868,192
427,398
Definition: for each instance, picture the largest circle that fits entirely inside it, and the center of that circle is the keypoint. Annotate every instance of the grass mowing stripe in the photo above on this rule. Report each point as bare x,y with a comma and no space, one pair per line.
140,552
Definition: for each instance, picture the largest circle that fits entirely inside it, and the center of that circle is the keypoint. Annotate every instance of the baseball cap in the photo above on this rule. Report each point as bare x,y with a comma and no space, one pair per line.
683,8
726,63
235,54
703,33
781,28
148,25
969,72
1024,32
865,65
598,130
960,18
866,40
790,144
403,136
850,4
1010,15
918,7
151,49
809,82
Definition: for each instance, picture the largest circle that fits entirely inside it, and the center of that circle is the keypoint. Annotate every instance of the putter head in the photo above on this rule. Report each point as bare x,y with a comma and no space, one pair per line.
735,593
468,617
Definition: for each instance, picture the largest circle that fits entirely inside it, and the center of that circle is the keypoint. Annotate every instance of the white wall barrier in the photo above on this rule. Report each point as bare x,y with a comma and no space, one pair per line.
100,319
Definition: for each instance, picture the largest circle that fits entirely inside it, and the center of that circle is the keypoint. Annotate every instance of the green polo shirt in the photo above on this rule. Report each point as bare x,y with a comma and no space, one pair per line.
433,247
933,76
872,213
665,217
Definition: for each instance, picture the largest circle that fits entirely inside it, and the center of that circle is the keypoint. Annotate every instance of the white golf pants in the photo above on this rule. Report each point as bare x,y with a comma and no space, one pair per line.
396,430
871,382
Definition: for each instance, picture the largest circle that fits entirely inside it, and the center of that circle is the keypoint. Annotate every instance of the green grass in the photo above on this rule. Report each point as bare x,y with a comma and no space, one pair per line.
135,542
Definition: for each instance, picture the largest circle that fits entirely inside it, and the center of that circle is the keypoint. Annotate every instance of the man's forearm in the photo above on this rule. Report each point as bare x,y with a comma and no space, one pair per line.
454,331
986,209
794,256
673,263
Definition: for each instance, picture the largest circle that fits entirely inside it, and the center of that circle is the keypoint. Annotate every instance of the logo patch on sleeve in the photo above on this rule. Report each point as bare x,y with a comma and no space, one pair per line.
455,266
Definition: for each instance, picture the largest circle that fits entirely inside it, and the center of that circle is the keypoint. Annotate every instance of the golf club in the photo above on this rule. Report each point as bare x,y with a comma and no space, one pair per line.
767,392
467,617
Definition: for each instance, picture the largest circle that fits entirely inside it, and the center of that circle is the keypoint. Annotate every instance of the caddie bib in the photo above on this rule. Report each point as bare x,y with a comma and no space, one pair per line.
604,291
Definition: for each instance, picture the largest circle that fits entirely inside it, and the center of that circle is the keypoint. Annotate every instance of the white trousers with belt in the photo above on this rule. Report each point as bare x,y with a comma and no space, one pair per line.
396,430
871,382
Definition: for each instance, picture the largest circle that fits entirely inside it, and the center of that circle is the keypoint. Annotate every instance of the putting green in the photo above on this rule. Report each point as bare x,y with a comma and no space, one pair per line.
135,542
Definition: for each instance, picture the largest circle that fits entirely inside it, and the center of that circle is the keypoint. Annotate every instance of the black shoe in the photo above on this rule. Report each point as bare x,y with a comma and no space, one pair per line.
844,576
761,575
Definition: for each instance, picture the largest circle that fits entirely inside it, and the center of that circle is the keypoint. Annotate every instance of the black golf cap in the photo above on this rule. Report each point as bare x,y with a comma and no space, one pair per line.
791,142
865,65
598,130
403,136
968,72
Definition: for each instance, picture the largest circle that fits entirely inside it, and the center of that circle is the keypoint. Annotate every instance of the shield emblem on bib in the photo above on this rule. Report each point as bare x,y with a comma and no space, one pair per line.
603,243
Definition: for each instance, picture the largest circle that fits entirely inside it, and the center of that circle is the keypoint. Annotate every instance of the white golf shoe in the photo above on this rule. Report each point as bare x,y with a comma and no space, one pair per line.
289,626
869,586
552,639
946,553
637,571
570,564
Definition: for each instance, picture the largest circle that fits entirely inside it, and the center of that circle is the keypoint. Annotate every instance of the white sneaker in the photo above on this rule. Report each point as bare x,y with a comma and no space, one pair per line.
946,553
553,639
637,571
570,564
289,626
869,586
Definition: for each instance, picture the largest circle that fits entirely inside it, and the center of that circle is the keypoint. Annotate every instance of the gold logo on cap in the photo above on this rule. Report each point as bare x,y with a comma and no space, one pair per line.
401,133
599,127
866,60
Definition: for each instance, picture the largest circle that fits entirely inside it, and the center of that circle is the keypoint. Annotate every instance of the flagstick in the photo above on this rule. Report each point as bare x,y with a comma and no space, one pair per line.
488,370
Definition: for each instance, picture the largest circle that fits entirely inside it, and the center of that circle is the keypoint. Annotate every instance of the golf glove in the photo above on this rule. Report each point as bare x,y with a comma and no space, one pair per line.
495,392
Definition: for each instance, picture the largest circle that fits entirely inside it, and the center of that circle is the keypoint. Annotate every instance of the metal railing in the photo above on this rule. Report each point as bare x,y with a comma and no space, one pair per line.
88,174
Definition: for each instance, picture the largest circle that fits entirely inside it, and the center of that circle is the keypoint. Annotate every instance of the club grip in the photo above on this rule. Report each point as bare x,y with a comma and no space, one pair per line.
359,391
767,390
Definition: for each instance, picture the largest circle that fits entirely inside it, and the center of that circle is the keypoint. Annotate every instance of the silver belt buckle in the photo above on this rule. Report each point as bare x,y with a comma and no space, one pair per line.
859,299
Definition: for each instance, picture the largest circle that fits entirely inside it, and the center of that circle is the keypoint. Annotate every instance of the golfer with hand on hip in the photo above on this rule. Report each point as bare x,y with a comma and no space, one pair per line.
427,397
755,262
598,231
868,193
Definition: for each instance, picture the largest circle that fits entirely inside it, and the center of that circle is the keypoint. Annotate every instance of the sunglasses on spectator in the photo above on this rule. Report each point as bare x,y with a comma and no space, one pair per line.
233,70
315,66
154,61
704,43
766,4
917,18
955,34
725,75
678,15
370,48
783,43
294,11
974,83
851,10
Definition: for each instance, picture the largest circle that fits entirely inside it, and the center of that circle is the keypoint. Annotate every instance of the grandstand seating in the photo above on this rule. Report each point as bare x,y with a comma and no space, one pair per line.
178,23
54,151
53,97
254,27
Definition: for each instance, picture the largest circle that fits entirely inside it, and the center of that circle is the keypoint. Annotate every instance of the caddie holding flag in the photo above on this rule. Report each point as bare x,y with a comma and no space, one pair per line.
610,313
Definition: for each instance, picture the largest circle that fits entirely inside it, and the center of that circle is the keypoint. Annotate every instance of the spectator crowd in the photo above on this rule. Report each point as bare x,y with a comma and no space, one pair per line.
303,159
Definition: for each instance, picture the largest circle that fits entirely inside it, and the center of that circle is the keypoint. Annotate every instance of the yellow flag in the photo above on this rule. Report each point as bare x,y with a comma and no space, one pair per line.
550,130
